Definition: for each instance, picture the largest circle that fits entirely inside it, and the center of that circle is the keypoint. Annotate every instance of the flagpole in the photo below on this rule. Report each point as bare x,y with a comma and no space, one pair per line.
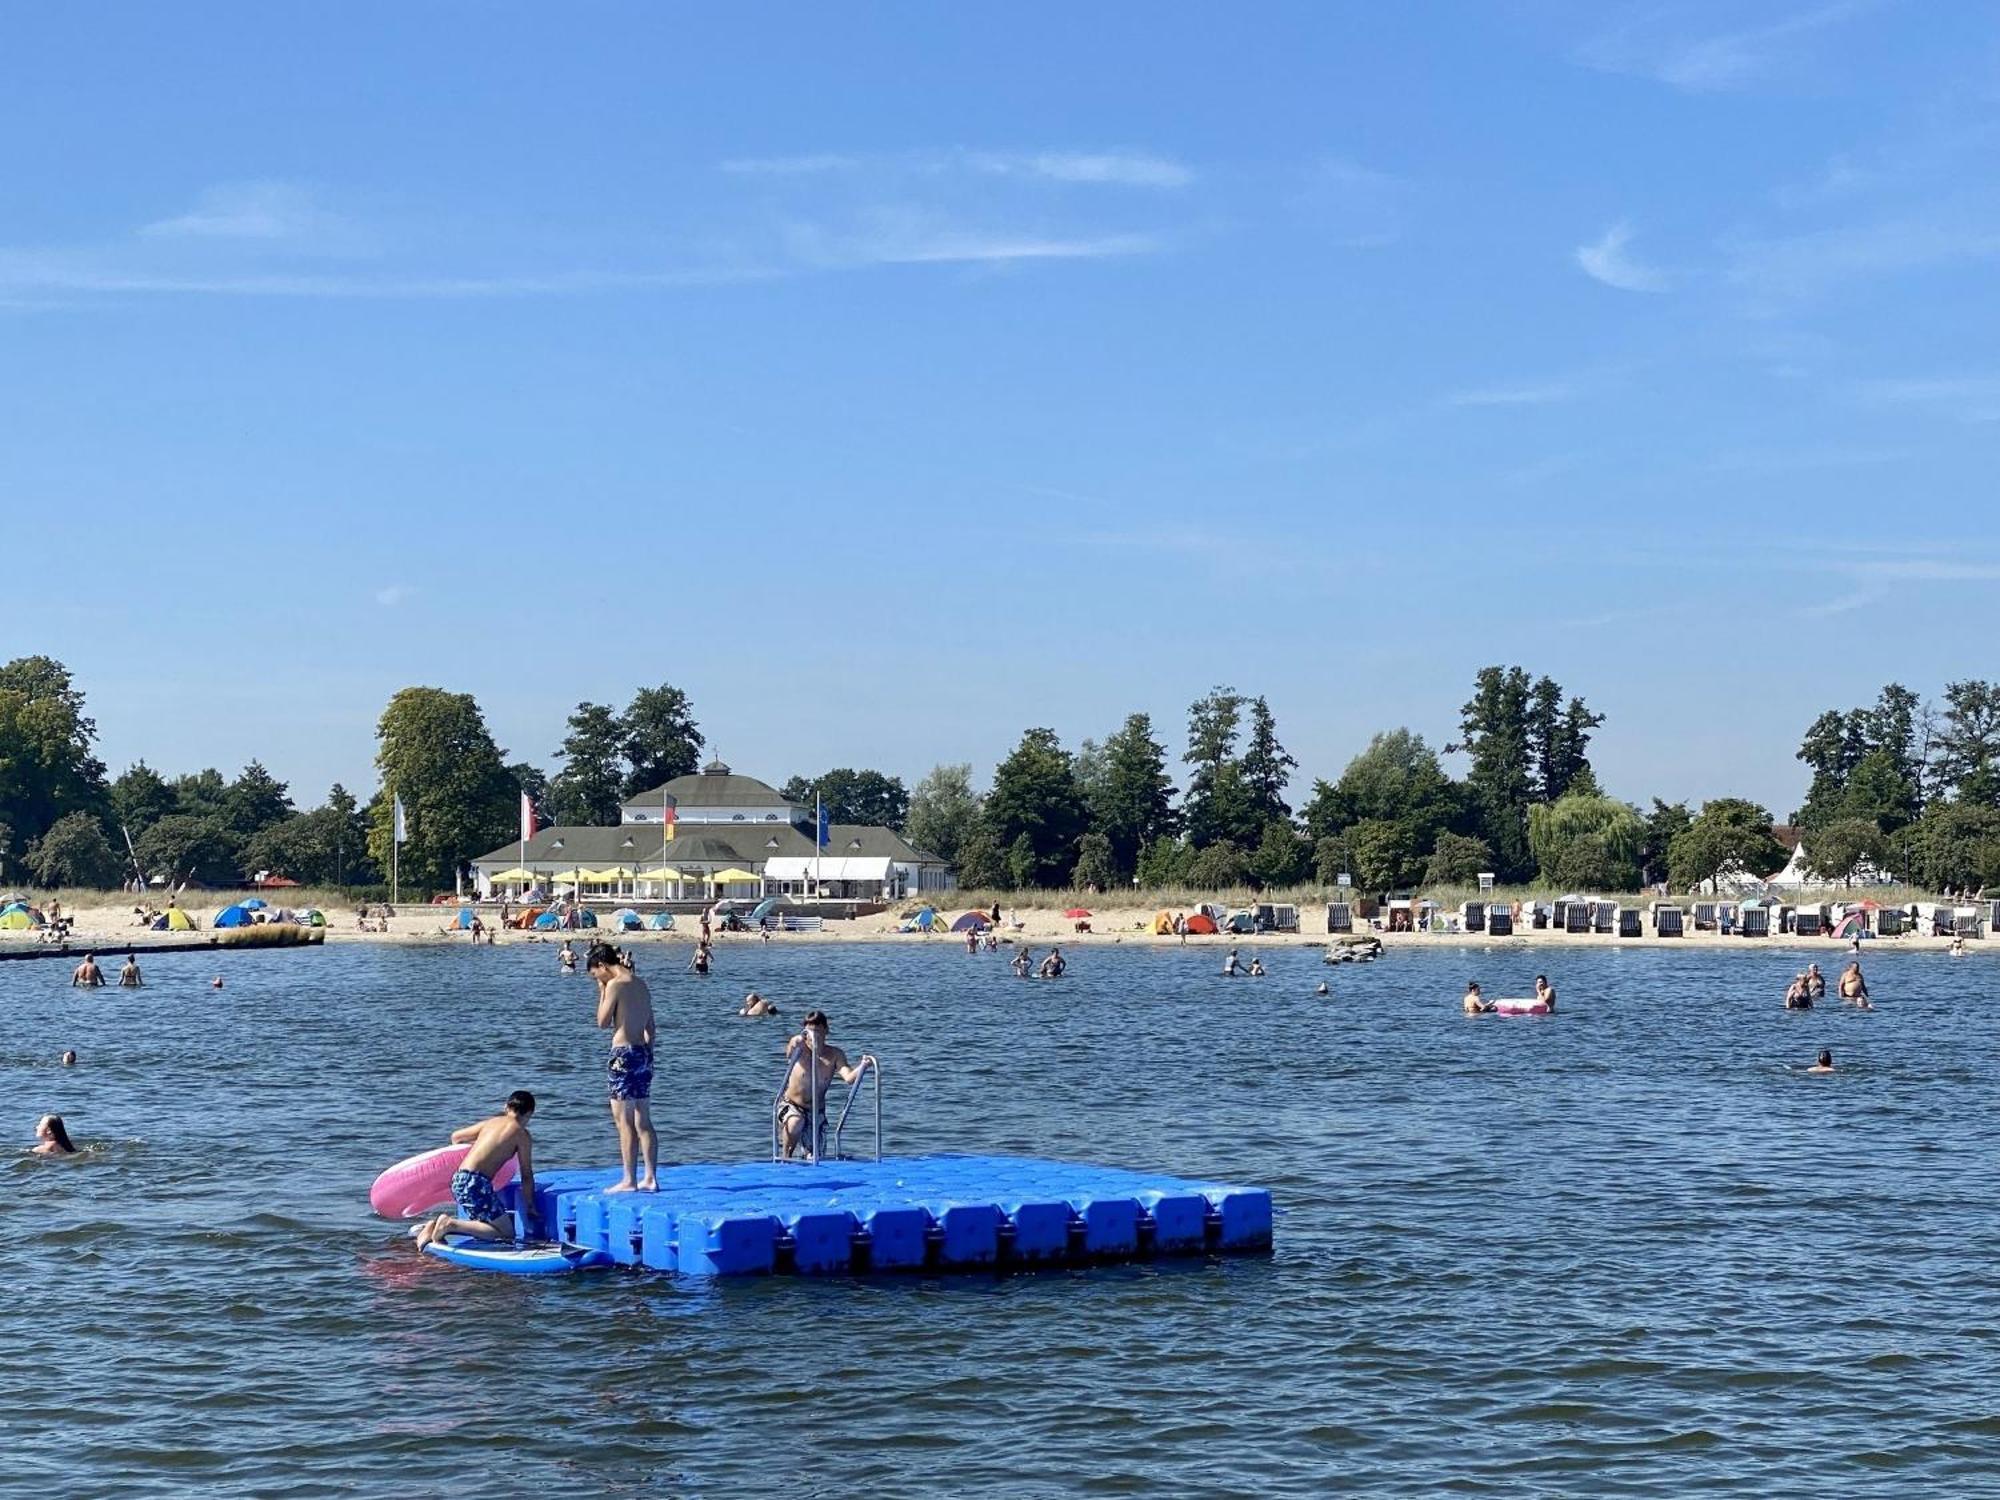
819,844
395,849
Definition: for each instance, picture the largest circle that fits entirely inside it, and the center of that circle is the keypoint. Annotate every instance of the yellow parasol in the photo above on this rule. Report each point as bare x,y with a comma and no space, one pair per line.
665,872
574,877
732,877
608,876
512,875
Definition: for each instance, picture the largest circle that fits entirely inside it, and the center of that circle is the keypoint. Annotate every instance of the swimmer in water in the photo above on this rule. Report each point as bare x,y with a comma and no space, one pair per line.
1815,983
755,1004
69,1059
87,973
128,977
1797,995
1825,1063
1053,966
1022,963
1853,988
1545,992
1322,988
1957,948
215,983
1229,965
1475,1004
1256,967
52,1137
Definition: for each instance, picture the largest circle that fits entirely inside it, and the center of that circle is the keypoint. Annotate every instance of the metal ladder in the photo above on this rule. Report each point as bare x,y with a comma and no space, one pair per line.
868,1070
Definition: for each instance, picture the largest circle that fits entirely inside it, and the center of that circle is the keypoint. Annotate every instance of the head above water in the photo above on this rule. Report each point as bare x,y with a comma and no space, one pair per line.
69,1059
1826,1057
51,1128
520,1104
601,956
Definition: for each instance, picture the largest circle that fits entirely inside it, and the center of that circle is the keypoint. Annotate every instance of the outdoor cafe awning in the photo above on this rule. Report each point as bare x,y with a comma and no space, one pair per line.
844,867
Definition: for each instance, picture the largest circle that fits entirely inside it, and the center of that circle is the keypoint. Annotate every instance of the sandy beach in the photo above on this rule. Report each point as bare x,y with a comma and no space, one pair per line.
109,924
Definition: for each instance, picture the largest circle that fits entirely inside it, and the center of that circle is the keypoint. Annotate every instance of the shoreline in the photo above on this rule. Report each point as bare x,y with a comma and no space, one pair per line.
109,928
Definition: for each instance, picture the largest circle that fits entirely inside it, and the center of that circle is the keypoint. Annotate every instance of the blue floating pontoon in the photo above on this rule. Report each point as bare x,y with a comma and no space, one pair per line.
914,1213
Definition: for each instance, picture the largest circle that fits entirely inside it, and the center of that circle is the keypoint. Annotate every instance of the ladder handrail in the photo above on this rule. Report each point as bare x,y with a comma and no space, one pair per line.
867,1067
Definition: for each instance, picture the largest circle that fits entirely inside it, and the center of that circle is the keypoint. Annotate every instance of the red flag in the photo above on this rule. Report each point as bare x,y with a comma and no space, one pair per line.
527,817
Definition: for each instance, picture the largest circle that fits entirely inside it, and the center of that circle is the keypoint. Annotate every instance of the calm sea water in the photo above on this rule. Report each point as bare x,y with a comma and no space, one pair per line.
1626,1251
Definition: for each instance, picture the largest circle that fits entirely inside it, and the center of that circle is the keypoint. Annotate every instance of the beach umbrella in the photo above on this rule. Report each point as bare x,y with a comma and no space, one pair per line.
608,876
732,876
1077,911
664,873
512,875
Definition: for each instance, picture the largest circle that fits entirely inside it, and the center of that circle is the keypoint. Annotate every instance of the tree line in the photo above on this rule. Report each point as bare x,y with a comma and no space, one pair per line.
1899,784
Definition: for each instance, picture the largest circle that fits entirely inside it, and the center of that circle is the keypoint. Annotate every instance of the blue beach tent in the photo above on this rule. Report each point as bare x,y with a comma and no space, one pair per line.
464,918
231,916
662,921
255,903
626,920
548,920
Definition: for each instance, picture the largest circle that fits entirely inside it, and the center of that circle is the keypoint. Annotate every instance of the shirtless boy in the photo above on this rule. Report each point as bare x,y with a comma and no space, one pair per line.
495,1142
625,1009
825,1063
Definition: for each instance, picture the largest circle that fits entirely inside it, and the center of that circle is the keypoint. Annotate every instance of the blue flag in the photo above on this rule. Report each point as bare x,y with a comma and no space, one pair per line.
825,836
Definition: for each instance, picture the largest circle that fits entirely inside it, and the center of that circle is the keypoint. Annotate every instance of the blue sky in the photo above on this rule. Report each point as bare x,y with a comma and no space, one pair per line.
895,377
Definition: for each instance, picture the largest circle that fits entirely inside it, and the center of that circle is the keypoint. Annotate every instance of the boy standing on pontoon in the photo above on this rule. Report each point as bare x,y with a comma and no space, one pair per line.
625,1009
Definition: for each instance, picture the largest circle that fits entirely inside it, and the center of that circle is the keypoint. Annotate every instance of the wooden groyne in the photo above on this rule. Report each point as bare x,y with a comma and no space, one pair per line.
273,937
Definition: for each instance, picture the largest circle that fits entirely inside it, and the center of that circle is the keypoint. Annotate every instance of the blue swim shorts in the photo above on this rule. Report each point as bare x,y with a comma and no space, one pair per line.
631,1072
475,1198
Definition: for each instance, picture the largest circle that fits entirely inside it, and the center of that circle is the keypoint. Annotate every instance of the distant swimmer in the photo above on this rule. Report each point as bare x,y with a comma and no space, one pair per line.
1815,983
755,1004
1229,965
1957,948
1545,992
1853,988
972,940
52,1137
1322,988
215,983
1798,995
128,977
566,958
69,1059
1053,966
1475,1004
1256,967
87,973
495,1141
1825,1063
1022,963
625,1009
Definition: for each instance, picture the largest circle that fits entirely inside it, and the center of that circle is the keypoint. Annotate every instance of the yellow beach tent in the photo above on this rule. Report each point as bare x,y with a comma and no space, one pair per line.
178,920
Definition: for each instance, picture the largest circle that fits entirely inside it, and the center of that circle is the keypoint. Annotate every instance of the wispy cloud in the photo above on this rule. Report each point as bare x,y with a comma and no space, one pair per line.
1604,259
1117,167
908,236
246,211
1533,393
1801,266
1874,579
1719,61
1970,398
394,594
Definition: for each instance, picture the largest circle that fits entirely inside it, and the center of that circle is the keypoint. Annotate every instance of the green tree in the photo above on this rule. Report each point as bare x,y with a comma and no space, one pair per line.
662,740
1878,792
1493,733
1954,846
1131,800
435,752
1266,768
1457,859
1163,862
1219,867
944,810
1842,849
1585,840
48,764
185,846
981,863
1023,867
1887,739
1558,736
1384,856
1731,835
1666,822
327,846
1228,812
1095,869
850,796
1281,857
1213,725
1034,797
534,781
75,852
139,797
1330,860
586,791
1397,779
1968,742
255,800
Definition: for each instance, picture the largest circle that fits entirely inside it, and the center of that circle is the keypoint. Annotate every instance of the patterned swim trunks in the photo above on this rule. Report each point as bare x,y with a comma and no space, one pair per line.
631,1072
474,1196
